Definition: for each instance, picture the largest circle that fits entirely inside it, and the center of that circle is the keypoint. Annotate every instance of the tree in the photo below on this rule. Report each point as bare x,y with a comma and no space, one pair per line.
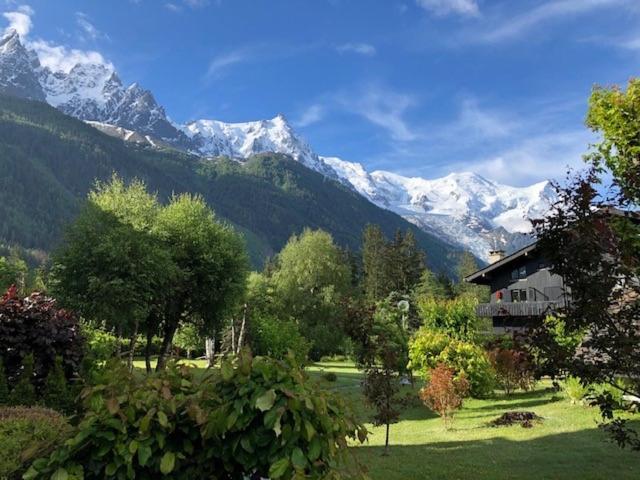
110,268
377,339
309,283
373,262
467,265
404,263
211,265
444,392
592,239
432,286
13,271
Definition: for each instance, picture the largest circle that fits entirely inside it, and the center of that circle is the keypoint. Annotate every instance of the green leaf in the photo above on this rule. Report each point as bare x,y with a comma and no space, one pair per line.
60,474
266,401
144,453
167,463
162,419
110,470
246,444
314,449
227,370
298,459
279,468
133,447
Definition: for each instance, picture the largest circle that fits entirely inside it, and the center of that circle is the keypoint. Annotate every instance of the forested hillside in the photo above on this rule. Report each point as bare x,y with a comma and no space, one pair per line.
49,161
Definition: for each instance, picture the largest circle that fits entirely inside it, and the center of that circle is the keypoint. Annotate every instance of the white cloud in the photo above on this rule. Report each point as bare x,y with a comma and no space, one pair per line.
222,62
467,8
383,107
359,48
196,3
55,57
312,114
89,29
20,20
172,6
547,156
548,11
474,120
61,58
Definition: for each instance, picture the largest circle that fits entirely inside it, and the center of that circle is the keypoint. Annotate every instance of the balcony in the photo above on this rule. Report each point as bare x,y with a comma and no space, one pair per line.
519,309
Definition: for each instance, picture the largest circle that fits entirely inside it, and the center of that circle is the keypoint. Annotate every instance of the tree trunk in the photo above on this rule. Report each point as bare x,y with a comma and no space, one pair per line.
210,350
233,335
241,335
170,331
147,351
119,338
386,442
132,344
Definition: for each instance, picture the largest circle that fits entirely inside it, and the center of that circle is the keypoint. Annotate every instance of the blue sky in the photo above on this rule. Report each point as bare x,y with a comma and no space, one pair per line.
419,87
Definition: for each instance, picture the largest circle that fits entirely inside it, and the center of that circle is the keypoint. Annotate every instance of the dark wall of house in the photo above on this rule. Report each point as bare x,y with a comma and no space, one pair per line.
539,283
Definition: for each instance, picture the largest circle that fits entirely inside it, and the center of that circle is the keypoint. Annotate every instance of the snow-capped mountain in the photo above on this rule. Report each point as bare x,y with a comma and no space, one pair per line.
88,91
464,209
241,140
19,69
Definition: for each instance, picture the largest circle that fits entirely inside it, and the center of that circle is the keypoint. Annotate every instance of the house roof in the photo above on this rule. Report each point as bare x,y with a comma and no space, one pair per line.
478,276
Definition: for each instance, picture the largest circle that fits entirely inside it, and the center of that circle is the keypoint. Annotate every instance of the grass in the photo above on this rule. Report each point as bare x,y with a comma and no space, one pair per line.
566,445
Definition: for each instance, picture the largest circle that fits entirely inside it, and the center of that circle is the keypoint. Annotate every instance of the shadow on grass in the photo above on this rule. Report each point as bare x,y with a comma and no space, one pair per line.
585,455
506,404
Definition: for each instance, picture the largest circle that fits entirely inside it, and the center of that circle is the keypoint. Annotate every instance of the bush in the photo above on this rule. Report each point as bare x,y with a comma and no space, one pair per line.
575,389
101,345
4,386
429,347
513,368
57,394
457,317
444,392
274,338
27,433
258,416
330,376
23,392
34,325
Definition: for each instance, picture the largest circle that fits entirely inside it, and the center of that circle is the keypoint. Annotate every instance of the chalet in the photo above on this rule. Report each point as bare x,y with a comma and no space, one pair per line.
523,289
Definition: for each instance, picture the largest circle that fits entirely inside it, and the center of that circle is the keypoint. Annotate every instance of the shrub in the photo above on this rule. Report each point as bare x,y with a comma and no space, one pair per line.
429,347
4,386
258,416
27,433
274,338
330,376
188,339
457,317
575,389
34,325
444,392
513,369
23,392
100,345
57,394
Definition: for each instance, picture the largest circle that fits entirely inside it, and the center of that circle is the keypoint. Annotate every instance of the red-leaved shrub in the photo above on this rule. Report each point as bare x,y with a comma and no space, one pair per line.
514,369
34,325
444,392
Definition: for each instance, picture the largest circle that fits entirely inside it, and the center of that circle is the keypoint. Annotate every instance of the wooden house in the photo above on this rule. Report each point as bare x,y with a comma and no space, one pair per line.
523,289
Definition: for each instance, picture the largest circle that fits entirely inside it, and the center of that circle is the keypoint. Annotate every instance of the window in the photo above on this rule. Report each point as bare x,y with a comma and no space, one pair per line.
519,273
518,295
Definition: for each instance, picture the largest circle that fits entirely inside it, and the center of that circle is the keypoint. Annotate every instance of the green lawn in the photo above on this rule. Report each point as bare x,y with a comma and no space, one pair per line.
567,445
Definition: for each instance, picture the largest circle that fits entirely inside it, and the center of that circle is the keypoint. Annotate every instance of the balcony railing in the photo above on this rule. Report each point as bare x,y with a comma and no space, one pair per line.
518,309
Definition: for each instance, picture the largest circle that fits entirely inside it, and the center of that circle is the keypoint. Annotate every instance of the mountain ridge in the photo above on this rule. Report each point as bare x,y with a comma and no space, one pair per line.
464,209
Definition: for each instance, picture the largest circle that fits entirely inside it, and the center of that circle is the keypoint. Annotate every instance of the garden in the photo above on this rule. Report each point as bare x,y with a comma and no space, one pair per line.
147,349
